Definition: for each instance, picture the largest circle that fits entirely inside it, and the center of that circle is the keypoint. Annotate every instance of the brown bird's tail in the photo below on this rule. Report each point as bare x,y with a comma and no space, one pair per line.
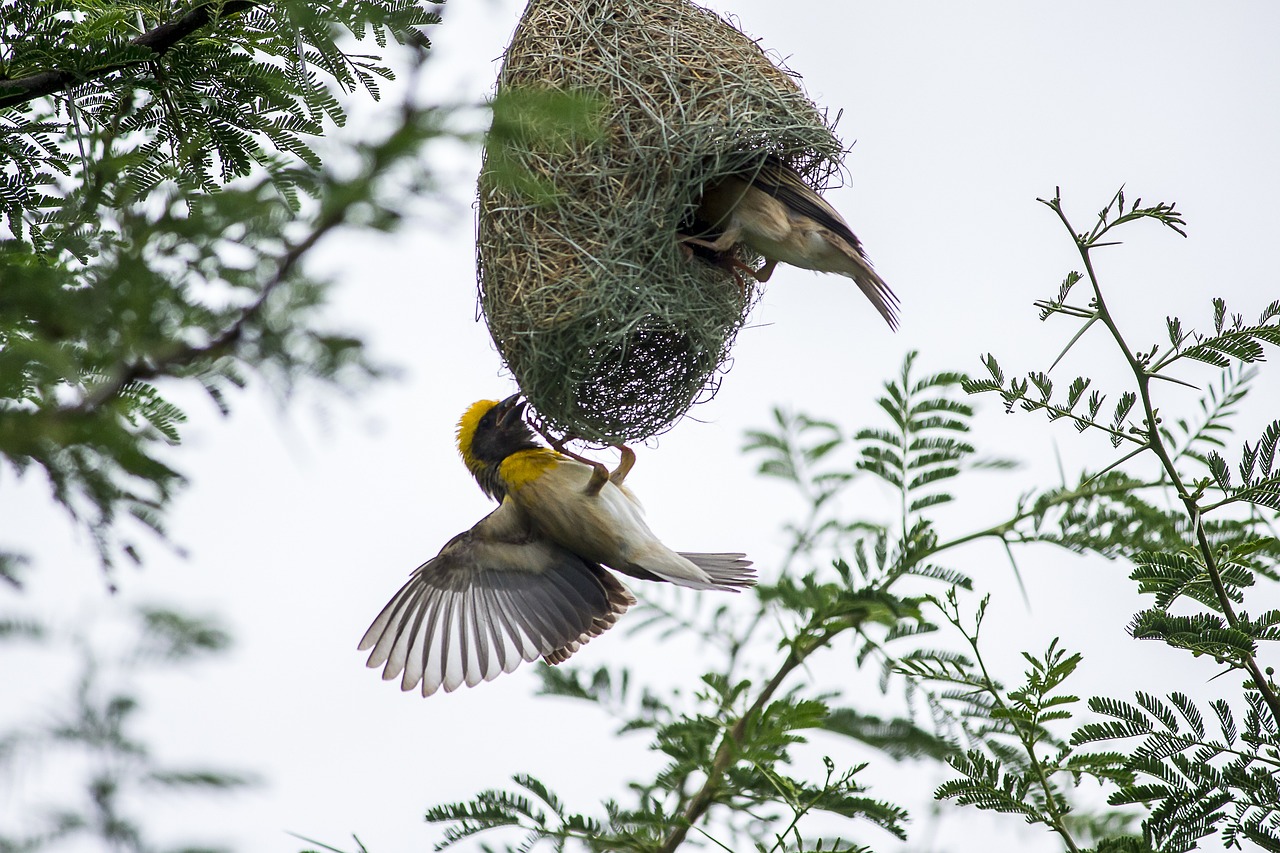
870,283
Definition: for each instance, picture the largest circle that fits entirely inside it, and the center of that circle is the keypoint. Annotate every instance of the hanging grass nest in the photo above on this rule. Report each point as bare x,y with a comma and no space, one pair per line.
610,115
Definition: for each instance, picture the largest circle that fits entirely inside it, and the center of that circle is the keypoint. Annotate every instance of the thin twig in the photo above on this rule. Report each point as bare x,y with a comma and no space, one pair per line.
1028,741
730,742
180,357
1156,443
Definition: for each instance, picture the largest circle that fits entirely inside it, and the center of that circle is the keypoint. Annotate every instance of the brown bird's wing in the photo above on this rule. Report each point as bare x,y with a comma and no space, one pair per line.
785,184
493,597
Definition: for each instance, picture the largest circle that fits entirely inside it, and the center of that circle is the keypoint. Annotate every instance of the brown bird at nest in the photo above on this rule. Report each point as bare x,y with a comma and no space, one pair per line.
775,214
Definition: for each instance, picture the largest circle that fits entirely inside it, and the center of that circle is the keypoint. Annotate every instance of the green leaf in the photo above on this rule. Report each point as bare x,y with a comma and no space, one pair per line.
899,738
1201,634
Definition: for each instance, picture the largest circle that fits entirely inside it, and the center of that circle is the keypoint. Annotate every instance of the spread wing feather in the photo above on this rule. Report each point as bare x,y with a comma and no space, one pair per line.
493,597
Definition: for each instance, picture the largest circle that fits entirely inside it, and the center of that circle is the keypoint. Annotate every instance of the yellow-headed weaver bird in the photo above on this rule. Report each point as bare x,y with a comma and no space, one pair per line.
528,581
775,214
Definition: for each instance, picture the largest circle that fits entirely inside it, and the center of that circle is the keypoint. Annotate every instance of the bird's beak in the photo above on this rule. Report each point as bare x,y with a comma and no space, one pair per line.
512,407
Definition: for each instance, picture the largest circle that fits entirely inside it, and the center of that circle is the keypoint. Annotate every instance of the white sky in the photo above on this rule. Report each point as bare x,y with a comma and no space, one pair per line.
301,523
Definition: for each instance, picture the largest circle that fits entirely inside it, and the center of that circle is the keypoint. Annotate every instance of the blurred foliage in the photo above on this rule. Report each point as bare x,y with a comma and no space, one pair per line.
880,594
160,185
164,174
93,737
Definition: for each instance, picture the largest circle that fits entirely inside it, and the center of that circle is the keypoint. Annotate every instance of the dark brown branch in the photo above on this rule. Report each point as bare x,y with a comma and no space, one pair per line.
185,355
158,40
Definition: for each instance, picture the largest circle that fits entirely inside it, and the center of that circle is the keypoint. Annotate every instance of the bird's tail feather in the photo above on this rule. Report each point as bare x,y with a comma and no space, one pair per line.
729,571
871,284
726,572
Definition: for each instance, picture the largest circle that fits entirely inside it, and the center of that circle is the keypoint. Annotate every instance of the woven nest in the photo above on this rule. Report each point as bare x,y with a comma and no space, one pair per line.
610,327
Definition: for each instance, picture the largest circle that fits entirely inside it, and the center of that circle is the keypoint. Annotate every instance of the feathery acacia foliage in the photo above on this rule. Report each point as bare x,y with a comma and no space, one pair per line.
95,734
158,191
1195,556
840,593
193,94
1194,782
159,188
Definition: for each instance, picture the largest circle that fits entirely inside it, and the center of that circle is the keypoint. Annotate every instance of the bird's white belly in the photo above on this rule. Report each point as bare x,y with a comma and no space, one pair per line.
605,528
805,248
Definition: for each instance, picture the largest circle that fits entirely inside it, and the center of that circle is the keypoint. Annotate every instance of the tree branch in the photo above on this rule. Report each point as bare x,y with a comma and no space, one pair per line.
158,40
730,742
1195,512
185,355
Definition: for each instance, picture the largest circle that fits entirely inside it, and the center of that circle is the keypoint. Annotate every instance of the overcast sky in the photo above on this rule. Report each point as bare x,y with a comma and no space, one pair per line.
300,523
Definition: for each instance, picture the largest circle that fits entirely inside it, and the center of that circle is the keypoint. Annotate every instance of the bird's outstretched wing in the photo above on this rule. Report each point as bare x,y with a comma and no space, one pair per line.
493,597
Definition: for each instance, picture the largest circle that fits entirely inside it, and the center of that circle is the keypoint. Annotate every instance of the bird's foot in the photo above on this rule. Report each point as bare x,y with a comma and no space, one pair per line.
737,269
625,464
765,272
599,473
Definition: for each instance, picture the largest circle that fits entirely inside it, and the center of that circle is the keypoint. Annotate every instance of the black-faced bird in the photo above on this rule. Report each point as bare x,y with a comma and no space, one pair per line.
528,581
775,214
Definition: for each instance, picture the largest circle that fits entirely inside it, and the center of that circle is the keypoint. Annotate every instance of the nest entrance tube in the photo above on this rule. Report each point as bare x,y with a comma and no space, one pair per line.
609,118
